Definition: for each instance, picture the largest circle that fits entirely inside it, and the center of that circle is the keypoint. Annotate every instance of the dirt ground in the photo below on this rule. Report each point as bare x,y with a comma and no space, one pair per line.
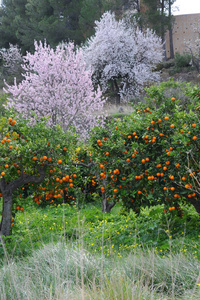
185,75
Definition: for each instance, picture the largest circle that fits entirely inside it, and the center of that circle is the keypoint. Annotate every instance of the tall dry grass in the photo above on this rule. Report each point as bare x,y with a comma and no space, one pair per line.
58,271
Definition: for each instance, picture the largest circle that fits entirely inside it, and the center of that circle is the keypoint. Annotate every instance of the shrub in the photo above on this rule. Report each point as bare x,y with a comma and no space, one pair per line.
182,60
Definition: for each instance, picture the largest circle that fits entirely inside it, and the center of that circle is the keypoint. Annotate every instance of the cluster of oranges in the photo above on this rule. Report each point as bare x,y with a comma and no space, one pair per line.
156,140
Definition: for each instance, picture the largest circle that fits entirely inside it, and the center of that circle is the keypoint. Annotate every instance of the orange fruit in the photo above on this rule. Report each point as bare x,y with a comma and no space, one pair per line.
193,125
166,118
60,161
13,123
172,125
67,177
194,138
44,157
107,153
173,99
128,160
34,158
143,161
3,173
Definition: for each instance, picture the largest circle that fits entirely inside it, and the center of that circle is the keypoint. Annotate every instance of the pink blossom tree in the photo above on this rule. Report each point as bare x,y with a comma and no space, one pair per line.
121,55
57,85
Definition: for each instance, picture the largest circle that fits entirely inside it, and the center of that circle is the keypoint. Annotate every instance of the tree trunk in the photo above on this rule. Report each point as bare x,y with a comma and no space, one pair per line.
164,48
117,92
163,30
106,206
196,204
5,226
7,190
171,45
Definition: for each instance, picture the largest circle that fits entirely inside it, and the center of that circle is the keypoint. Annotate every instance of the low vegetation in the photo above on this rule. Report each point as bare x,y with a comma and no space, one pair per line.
114,217
59,253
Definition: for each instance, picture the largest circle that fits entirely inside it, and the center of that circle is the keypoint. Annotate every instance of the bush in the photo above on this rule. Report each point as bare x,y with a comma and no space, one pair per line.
151,156
182,60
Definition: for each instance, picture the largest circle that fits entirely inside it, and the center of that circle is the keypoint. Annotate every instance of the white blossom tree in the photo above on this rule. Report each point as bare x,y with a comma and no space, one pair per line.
121,55
11,60
57,85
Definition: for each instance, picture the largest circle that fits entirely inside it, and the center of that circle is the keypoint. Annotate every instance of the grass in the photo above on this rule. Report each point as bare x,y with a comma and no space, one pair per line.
113,233
58,271
59,253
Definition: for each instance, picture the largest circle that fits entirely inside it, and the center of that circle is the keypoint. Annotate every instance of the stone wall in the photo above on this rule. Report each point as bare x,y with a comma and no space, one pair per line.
183,31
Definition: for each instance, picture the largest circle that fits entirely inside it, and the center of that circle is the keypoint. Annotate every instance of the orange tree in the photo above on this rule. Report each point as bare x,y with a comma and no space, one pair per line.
35,158
151,156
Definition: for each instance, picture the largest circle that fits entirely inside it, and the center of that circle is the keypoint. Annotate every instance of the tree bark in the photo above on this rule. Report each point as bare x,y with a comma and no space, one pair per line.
5,225
106,206
196,204
163,30
7,190
171,45
117,92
